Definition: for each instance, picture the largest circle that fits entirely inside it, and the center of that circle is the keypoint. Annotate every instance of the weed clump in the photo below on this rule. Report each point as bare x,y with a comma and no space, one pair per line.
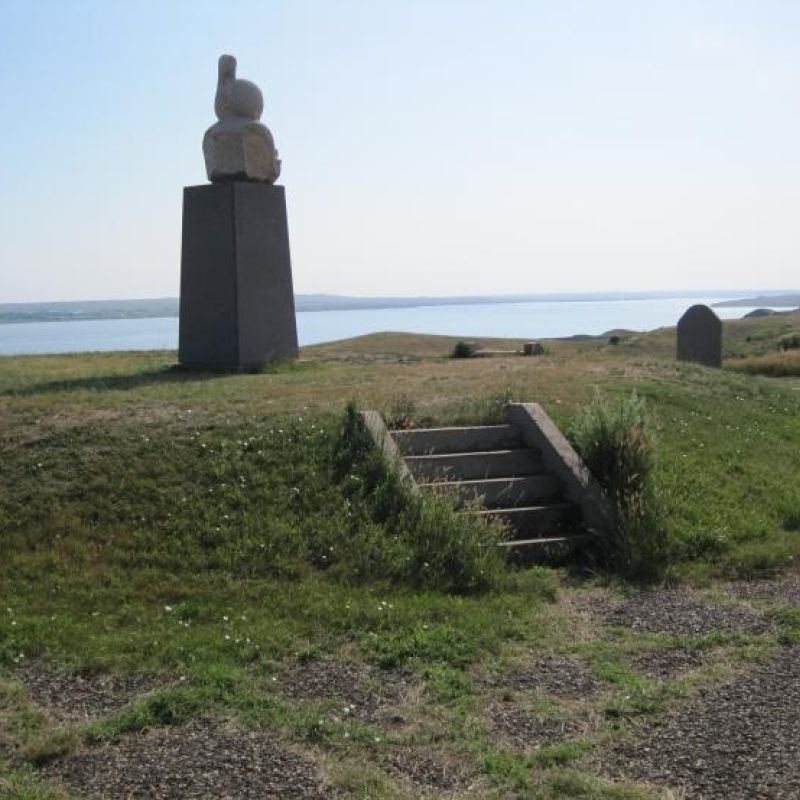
400,535
463,349
613,439
401,412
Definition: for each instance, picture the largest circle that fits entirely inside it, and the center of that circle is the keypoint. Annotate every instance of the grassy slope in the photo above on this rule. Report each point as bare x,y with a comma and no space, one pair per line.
160,522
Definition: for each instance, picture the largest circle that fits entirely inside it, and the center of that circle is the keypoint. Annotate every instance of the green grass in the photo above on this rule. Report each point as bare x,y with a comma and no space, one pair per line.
199,529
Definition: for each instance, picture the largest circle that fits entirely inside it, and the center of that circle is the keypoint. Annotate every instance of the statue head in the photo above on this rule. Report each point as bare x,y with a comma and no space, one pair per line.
236,98
227,67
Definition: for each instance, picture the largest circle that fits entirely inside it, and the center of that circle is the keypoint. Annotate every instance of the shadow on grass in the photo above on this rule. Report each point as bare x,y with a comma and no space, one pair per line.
162,376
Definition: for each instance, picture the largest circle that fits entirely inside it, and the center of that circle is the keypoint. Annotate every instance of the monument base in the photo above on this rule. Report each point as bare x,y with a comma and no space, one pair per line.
237,300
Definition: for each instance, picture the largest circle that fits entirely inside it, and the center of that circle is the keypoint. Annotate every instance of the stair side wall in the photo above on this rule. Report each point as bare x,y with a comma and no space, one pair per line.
383,439
577,484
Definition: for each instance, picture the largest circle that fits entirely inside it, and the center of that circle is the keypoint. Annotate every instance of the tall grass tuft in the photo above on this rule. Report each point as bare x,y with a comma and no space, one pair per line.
785,364
403,536
614,440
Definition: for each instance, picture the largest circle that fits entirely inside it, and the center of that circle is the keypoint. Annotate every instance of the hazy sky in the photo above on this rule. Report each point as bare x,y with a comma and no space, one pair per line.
429,147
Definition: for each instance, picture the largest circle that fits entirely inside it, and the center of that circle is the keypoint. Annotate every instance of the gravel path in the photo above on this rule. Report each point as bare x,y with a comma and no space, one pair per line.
70,697
202,760
678,612
738,741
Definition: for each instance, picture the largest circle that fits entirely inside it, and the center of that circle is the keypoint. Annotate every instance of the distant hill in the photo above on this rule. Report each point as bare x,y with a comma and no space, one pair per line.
168,306
776,301
88,309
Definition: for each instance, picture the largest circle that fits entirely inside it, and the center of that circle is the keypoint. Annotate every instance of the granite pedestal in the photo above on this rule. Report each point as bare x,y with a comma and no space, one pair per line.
237,302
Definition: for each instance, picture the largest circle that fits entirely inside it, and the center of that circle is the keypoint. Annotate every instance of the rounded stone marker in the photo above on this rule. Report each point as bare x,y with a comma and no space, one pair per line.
700,336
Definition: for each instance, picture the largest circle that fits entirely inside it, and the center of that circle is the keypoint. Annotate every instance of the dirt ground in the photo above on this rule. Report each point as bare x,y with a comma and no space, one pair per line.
733,738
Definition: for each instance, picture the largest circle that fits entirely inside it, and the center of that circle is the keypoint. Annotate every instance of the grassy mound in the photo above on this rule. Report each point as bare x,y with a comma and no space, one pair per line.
213,532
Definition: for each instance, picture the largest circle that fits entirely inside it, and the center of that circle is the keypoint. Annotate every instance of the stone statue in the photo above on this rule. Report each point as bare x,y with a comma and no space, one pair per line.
239,147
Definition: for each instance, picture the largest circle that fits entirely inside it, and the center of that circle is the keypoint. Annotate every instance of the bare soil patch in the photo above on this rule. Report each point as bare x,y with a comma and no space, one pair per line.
668,663
201,760
559,677
70,697
366,693
527,730
431,773
679,612
738,741
784,591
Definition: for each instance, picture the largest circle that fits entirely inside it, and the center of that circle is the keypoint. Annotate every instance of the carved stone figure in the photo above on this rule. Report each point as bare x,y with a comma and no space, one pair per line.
239,147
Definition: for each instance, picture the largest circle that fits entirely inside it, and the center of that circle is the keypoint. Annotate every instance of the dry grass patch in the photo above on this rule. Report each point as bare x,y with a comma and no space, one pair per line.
776,365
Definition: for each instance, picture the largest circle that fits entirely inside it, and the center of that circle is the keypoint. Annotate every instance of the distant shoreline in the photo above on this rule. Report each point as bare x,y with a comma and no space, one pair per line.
66,311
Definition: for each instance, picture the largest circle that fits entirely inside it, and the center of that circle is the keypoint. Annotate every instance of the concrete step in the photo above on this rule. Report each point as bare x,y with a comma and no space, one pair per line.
470,466
533,521
426,441
499,492
542,540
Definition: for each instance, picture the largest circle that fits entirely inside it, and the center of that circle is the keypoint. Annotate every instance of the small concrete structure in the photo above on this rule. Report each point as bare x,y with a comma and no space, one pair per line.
237,300
533,349
700,337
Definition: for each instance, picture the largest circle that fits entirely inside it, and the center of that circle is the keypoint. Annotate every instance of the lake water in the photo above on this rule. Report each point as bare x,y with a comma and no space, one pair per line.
531,320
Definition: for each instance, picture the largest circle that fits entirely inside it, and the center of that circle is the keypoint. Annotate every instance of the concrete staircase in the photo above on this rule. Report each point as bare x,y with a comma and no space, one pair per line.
524,473
491,471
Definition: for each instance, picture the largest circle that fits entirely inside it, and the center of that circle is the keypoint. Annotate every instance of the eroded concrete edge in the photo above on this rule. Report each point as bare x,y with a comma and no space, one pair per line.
577,483
374,423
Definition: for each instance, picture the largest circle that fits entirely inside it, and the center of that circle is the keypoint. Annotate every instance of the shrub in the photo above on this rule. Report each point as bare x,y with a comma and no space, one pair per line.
416,540
789,342
613,439
463,349
491,409
614,340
